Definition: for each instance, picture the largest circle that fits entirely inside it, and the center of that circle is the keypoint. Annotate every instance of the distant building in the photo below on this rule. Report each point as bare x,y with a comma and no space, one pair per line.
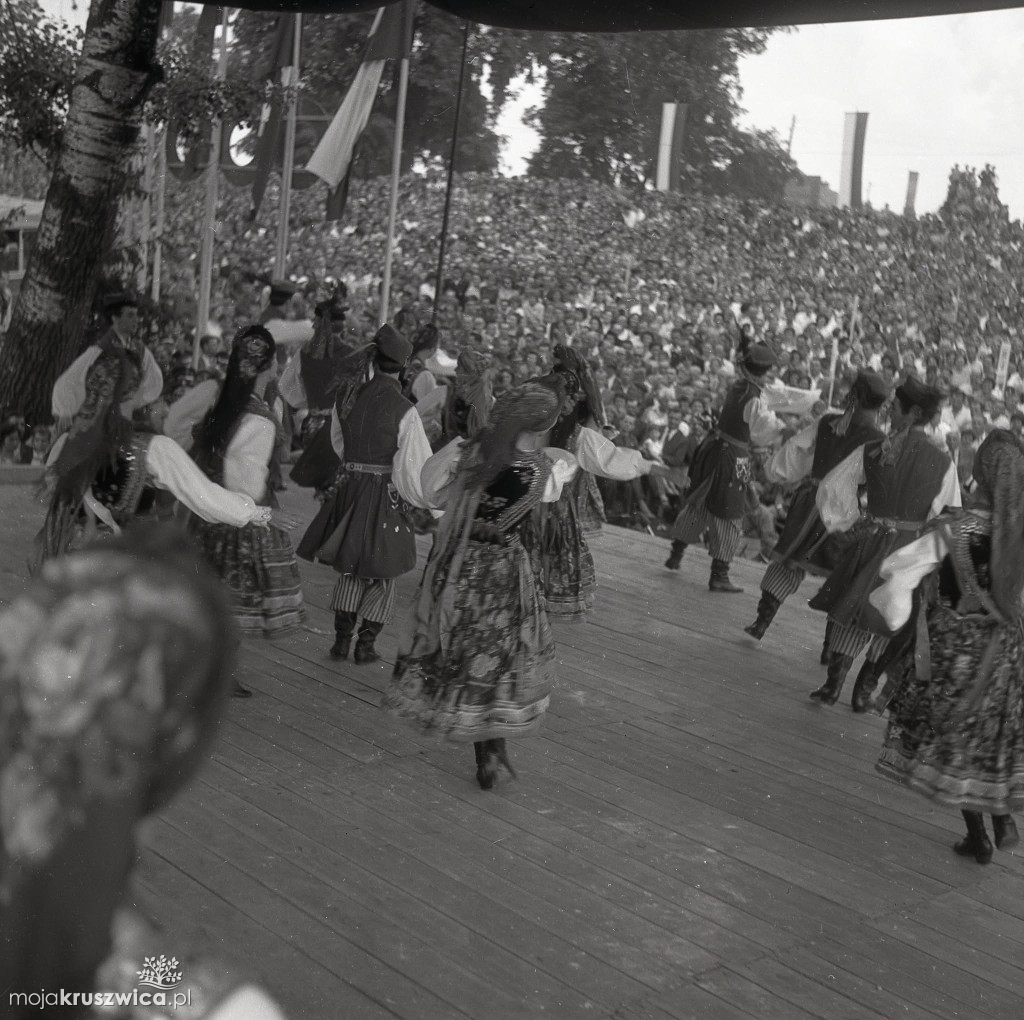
809,193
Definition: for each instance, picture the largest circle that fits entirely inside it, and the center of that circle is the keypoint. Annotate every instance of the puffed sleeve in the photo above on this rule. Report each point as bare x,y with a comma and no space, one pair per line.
793,460
902,572
247,459
949,494
69,389
407,465
765,426
152,384
185,413
563,468
171,468
438,471
837,498
290,385
597,455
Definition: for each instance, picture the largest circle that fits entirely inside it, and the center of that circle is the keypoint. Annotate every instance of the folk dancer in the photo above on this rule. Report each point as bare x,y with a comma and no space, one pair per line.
235,445
364,531
804,546
103,473
556,537
908,480
119,340
720,492
956,724
476,660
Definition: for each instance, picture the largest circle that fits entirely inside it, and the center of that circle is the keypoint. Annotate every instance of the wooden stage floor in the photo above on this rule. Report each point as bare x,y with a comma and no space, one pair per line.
690,836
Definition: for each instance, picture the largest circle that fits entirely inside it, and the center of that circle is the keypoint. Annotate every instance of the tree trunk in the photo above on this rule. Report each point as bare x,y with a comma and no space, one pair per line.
114,73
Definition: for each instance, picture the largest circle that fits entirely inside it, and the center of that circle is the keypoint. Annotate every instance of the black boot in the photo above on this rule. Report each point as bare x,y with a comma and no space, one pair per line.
719,580
497,754
365,652
826,642
976,843
766,610
838,667
864,687
1005,830
675,557
344,624
485,774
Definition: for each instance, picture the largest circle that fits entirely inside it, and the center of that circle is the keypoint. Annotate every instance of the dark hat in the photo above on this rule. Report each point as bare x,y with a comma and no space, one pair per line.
870,390
392,345
759,359
915,393
113,303
281,291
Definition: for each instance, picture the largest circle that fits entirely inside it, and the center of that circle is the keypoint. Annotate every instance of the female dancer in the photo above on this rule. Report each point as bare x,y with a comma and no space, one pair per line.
234,446
956,729
103,473
476,661
557,535
113,676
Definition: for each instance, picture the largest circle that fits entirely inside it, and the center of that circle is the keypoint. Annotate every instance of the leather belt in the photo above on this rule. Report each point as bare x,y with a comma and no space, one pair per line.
895,525
367,469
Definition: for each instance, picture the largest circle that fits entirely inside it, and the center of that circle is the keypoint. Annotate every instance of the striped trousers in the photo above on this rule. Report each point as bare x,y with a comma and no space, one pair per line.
782,580
372,598
845,639
723,536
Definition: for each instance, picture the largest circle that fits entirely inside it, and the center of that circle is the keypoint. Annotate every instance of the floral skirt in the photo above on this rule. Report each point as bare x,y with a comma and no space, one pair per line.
258,566
589,504
973,761
561,557
492,674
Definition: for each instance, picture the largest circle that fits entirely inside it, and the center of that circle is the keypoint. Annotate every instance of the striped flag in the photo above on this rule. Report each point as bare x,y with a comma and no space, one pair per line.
670,145
851,173
390,39
268,134
908,206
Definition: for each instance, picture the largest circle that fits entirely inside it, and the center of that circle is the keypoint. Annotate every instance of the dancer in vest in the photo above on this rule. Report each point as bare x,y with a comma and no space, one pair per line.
235,446
719,492
119,339
556,535
476,661
956,725
364,531
115,673
804,546
103,473
908,480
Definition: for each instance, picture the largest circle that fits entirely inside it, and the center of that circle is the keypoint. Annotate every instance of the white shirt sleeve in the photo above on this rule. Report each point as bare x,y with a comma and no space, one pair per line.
438,471
69,389
902,572
599,456
185,413
247,459
794,459
171,468
949,494
837,498
765,427
563,469
291,386
423,384
150,388
407,465
290,332
337,436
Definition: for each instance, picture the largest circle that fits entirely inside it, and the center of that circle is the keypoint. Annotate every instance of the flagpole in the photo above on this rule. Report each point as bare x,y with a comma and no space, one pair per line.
451,172
281,262
210,210
146,212
396,171
158,229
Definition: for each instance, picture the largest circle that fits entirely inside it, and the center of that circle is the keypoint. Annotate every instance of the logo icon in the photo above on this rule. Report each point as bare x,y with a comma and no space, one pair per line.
159,972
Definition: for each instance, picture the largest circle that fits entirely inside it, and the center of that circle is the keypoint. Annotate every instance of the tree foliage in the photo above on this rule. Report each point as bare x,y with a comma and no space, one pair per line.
602,99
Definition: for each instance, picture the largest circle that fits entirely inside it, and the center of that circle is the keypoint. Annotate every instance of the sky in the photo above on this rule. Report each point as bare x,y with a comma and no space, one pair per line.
938,91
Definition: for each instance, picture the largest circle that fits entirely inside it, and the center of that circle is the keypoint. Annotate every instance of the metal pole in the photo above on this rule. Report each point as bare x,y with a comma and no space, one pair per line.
158,230
281,262
396,172
451,173
146,212
210,211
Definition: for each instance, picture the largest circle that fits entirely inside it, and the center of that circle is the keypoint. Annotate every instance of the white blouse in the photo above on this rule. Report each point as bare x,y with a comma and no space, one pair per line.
69,389
599,456
902,572
247,458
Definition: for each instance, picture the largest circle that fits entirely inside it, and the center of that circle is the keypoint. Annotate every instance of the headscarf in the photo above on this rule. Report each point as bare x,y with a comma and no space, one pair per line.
469,406
569,361
999,472
868,391
114,670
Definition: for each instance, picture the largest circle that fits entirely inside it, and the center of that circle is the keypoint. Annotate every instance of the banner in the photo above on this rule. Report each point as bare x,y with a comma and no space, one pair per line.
851,172
908,206
1003,365
670,146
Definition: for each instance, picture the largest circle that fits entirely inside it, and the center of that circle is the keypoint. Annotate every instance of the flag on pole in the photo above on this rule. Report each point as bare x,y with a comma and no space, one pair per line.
390,38
268,135
851,172
670,146
908,206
